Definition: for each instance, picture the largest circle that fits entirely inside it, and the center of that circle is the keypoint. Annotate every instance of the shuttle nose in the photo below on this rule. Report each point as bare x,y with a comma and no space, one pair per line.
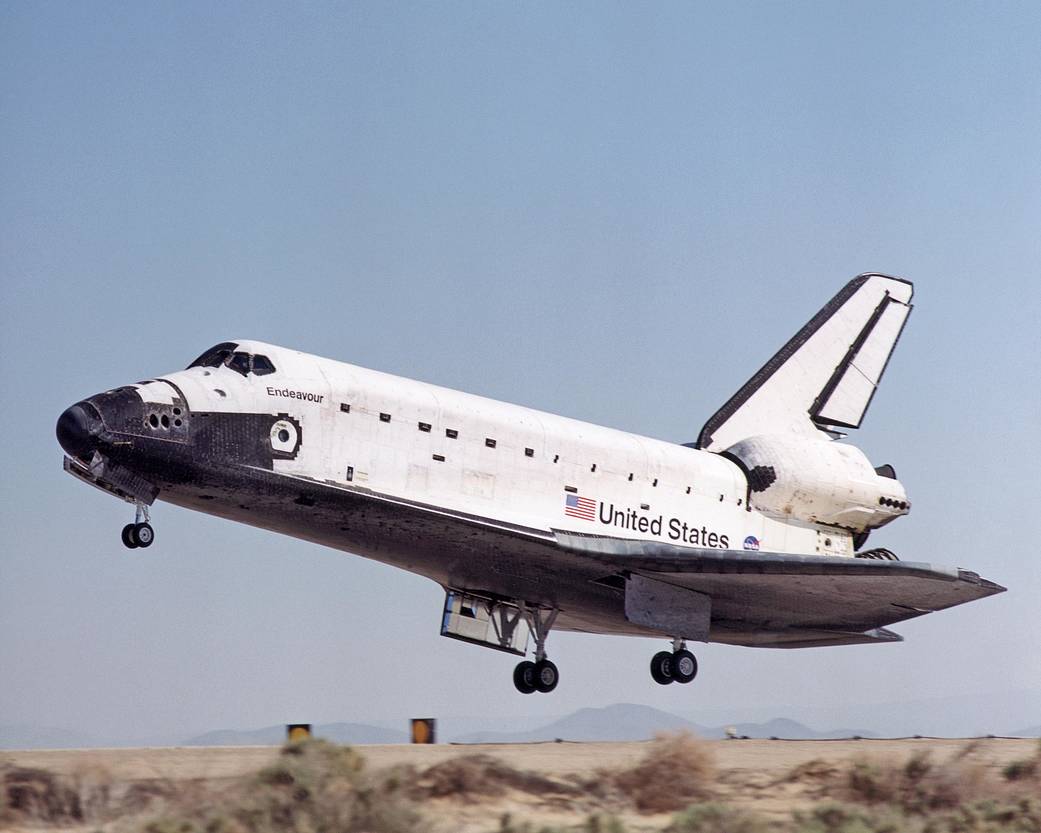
78,430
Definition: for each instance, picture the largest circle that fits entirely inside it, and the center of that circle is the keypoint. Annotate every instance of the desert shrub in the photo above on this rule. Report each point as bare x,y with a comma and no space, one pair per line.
676,771
35,795
313,786
715,818
507,824
843,818
816,778
87,794
471,776
594,824
312,765
462,777
1025,769
989,816
1021,770
927,787
598,823
177,826
919,785
871,781
140,796
816,769
94,785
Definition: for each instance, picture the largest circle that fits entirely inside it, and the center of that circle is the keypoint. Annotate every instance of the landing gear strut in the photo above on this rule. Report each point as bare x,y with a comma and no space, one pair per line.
541,675
678,665
140,532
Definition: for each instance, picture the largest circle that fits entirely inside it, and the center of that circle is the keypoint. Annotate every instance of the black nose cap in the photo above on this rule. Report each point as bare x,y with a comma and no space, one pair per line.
78,430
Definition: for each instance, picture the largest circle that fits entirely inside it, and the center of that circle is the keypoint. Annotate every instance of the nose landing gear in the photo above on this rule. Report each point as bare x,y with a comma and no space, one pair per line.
678,665
140,532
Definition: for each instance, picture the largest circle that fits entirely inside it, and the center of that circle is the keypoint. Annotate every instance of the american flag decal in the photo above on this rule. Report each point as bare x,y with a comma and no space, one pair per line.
577,506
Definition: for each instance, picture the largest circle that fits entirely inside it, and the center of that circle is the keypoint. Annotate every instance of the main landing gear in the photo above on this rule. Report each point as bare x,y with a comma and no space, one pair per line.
140,532
676,666
541,675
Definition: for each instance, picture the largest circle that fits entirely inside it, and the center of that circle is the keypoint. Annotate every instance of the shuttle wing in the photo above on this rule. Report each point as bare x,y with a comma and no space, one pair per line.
826,375
813,599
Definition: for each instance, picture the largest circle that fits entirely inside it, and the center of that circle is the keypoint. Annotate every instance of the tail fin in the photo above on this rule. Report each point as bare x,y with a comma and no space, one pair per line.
826,375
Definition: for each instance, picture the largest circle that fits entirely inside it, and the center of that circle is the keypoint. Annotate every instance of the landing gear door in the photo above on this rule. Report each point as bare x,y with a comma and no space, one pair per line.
493,624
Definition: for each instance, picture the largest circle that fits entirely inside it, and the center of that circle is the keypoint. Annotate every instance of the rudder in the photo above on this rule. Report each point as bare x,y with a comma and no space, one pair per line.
827,373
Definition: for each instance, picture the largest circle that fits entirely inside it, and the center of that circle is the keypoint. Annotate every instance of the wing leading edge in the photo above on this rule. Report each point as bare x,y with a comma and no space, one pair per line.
782,600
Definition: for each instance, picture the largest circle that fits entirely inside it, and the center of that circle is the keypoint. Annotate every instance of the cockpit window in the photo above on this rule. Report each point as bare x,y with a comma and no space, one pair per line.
262,365
239,361
215,356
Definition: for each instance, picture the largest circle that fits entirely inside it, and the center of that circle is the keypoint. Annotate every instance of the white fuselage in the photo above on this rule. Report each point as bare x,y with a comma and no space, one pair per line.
503,463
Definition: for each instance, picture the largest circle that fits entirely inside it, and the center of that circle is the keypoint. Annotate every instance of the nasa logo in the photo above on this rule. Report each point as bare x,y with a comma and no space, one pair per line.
751,543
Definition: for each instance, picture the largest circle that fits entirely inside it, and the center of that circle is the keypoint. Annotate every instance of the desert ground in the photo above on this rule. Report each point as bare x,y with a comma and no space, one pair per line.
485,788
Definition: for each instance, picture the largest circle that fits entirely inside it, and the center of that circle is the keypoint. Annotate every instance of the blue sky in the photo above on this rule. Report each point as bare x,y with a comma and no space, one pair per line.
611,211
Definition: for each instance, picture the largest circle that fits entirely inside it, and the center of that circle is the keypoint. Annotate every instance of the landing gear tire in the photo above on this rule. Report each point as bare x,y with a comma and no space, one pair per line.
541,675
143,534
524,677
546,676
661,667
684,666
127,535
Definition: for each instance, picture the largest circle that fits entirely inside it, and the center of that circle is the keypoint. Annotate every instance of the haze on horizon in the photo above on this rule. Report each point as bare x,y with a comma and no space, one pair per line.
607,211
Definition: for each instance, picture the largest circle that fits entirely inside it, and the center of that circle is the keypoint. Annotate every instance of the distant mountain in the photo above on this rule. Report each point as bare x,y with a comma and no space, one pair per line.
276,735
619,722
781,727
627,721
43,737
623,721
1029,732
956,715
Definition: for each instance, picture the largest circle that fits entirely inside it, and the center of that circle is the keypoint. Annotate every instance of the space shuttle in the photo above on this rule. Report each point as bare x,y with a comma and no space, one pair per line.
755,534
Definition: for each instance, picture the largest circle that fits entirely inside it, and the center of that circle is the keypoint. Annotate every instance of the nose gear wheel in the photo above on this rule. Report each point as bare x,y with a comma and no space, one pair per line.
139,533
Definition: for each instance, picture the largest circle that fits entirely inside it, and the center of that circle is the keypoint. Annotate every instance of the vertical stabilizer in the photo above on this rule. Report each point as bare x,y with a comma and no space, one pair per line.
826,375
